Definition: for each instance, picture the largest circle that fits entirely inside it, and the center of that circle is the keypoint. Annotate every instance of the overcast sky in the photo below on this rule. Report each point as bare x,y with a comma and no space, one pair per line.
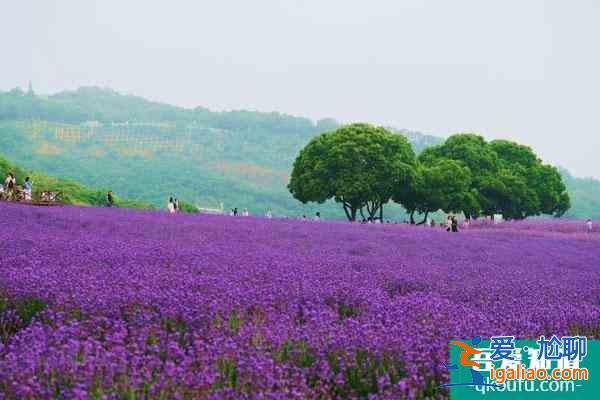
525,70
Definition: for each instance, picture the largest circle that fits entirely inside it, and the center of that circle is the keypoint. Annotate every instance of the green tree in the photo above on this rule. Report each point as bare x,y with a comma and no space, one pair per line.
442,184
540,187
506,178
358,165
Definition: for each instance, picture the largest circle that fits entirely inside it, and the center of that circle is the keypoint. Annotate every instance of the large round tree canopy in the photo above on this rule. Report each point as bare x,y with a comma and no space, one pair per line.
358,165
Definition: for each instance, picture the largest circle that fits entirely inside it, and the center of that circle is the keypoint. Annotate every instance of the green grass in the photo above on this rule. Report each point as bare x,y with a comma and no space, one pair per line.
71,192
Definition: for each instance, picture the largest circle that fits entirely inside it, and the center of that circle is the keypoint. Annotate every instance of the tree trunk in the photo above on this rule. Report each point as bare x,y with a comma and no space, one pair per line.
372,208
412,217
369,210
424,219
347,212
381,213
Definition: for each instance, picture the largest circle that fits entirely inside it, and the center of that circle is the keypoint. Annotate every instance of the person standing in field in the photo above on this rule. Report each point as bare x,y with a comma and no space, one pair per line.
448,223
9,186
109,199
589,226
27,188
171,206
454,224
269,214
245,213
317,216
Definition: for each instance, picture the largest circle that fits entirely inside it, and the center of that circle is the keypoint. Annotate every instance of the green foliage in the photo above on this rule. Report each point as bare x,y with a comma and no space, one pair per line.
70,192
362,377
506,178
357,165
440,184
187,207
29,307
583,196
241,158
227,374
18,314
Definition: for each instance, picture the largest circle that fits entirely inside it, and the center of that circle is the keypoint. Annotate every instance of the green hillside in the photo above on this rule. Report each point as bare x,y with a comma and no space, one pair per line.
585,196
147,150
70,192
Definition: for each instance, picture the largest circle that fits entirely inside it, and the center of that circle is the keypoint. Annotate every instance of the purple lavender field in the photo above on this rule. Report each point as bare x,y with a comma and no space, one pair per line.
122,304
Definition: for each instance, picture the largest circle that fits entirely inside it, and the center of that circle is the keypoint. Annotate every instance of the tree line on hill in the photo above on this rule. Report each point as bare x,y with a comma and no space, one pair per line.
363,168
108,106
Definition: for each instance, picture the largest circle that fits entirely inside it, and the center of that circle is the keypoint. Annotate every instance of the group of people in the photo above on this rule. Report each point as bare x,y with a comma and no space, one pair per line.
452,223
317,217
10,191
10,188
269,214
234,212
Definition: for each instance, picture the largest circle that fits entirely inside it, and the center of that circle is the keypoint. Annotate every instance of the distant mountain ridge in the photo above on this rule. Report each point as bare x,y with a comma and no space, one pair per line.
150,150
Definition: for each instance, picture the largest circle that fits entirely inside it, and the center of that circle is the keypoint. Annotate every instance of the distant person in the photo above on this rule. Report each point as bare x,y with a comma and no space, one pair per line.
109,199
245,213
171,206
304,217
10,184
454,224
317,216
448,223
433,223
235,212
466,223
269,214
27,188
589,226
176,204
8,180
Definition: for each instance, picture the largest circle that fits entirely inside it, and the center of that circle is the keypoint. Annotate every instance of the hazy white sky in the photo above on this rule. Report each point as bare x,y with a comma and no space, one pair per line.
527,70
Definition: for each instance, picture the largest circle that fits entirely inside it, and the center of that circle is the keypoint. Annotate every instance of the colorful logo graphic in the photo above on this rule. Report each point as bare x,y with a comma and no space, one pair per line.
548,368
468,351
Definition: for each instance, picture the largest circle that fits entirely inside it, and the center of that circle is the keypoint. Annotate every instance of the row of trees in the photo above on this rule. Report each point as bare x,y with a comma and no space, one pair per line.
363,167
107,105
